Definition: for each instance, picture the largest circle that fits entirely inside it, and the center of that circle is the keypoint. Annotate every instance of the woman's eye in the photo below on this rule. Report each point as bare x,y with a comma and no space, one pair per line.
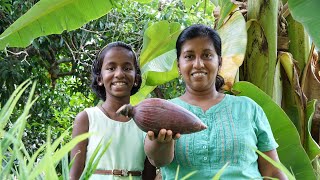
127,68
207,55
188,57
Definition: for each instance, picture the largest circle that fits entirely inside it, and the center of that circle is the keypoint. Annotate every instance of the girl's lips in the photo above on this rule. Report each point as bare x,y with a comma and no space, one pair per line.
119,83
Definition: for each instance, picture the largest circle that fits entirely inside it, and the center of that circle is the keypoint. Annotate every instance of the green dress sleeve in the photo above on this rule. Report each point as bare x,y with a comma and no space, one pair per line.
266,141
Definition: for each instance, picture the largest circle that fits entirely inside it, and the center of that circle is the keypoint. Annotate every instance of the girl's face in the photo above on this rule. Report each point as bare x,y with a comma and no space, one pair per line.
118,72
199,64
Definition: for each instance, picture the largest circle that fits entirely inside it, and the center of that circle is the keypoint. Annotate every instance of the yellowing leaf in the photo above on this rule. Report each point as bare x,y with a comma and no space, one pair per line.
234,41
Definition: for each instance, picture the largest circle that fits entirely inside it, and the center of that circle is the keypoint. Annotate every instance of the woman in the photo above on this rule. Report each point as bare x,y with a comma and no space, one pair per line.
236,125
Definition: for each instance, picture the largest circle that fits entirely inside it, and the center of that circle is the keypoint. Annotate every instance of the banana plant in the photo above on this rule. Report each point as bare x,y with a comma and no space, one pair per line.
291,152
53,17
261,56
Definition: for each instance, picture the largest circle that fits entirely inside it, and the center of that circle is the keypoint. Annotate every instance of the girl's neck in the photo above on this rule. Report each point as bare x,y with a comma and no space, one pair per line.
111,105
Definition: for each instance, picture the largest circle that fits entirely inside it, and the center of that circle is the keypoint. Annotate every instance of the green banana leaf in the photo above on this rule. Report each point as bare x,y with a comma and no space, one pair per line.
291,152
312,147
142,94
158,57
158,39
164,66
277,165
52,17
307,13
226,7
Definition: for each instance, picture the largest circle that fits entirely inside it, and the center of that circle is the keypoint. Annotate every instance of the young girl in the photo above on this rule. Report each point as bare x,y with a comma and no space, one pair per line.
115,76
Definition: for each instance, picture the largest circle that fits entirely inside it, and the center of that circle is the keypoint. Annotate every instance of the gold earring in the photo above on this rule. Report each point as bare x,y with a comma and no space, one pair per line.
100,84
135,84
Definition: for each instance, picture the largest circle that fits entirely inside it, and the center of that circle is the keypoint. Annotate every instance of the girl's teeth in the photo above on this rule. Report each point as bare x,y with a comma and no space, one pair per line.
119,84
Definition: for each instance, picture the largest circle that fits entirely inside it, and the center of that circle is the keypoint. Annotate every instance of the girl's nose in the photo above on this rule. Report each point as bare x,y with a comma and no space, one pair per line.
119,73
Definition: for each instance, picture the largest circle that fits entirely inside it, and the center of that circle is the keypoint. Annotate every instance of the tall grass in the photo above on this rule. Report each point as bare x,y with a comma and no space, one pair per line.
17,163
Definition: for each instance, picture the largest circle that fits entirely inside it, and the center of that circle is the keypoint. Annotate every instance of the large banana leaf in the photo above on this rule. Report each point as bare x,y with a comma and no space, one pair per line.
226,7
52,17
158,39
164,66
158,57
312,147
305,111
307,13
234,41
290,150
142,94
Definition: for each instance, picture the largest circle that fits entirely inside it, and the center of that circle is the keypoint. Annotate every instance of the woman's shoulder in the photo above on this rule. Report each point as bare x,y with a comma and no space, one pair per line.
175,100
241,100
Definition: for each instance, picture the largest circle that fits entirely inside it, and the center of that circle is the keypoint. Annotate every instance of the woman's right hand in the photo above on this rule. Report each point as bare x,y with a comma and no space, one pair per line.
164,136
160,148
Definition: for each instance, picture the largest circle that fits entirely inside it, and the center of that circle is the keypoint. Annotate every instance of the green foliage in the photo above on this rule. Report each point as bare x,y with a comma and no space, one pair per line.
219,173
226,8
306,12
61,63
283,129
92,164
52,17
277,165
312,147
17,163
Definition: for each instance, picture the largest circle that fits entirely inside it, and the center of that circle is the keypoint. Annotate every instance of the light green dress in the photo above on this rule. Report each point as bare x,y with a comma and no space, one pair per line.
126,150
236,125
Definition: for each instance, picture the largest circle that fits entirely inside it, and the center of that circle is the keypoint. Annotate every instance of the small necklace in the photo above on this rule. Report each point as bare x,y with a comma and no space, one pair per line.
105,111
107,114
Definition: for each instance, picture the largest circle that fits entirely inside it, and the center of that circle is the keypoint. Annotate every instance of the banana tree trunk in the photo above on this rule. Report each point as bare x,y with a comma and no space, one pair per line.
261,56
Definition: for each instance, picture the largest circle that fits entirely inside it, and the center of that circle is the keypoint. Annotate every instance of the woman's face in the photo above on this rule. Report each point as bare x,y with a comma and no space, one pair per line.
118,72
199,64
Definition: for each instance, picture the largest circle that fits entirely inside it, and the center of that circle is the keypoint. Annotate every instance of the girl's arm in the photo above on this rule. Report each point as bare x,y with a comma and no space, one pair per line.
149,171
267,169
160,150
81,125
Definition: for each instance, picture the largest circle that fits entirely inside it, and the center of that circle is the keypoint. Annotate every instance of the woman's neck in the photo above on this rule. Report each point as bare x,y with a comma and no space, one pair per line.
205,99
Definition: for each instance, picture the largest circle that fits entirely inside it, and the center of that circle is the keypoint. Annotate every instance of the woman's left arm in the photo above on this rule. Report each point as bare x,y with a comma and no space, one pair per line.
267,169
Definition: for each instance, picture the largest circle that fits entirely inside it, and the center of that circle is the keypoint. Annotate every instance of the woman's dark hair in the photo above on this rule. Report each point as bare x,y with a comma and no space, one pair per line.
97,64
199,30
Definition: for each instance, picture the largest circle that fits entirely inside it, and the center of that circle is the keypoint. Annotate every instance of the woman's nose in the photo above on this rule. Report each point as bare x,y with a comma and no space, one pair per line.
198,63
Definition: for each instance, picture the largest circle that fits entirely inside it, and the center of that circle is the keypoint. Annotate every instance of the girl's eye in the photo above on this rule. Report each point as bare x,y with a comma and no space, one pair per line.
110,68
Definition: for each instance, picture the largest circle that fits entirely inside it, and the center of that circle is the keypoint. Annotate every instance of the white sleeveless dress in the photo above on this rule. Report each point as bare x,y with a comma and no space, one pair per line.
126,150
